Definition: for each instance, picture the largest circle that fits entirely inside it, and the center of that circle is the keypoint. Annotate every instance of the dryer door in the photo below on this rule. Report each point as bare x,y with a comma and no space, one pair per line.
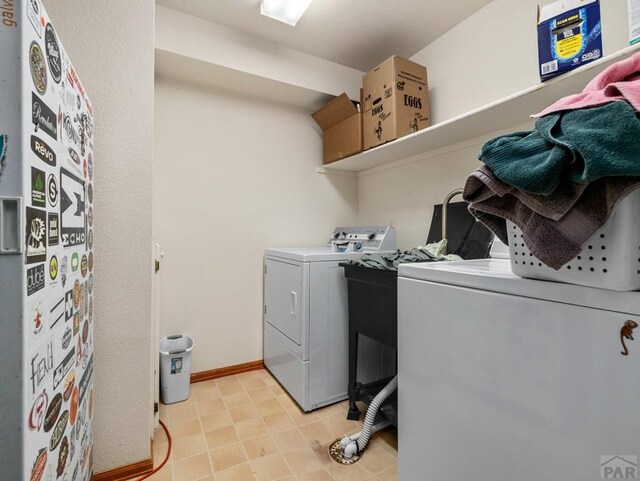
283,298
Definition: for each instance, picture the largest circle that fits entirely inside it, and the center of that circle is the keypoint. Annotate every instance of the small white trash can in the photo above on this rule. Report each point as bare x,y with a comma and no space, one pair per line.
175,368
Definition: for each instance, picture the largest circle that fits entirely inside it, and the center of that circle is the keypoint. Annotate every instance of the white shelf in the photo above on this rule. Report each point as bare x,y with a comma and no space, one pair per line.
512,110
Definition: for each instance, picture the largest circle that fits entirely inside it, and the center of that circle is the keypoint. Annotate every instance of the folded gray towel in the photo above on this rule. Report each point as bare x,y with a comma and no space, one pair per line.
553,206
554,227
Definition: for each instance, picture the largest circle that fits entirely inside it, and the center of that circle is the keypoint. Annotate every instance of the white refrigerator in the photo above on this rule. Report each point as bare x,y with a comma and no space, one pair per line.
46,253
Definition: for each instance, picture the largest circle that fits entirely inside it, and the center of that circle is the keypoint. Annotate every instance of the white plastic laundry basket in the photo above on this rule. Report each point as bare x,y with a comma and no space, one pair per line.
610,259
175,368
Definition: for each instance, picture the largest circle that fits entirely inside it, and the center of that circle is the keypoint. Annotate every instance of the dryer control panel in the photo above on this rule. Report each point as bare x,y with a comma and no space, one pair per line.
365,238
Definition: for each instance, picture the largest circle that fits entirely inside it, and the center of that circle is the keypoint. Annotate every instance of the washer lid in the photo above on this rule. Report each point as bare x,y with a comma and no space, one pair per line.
312,254
495,275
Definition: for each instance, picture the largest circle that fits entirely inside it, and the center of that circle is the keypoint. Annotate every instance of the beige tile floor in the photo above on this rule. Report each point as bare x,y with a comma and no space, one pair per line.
246,428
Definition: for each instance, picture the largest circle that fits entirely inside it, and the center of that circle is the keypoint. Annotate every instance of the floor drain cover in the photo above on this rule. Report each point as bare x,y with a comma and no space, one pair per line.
336,454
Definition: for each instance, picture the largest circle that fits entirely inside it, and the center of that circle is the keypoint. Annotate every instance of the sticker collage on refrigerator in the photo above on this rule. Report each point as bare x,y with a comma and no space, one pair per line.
58,251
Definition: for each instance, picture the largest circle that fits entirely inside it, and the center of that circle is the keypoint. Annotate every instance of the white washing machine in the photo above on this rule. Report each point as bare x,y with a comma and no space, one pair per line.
306,318
504,378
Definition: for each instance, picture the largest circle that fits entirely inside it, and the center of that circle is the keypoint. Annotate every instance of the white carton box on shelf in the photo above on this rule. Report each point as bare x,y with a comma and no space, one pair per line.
634,21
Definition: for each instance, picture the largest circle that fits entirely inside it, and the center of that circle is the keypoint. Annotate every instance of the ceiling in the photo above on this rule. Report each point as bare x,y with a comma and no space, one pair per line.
356,33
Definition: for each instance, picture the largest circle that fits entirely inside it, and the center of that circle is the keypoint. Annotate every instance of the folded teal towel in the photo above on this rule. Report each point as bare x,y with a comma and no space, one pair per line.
578,146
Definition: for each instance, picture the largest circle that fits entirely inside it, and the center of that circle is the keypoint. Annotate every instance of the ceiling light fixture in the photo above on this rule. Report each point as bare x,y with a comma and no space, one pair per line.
286,11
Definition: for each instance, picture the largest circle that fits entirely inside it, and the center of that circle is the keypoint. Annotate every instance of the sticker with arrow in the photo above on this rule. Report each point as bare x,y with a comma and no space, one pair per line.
72,209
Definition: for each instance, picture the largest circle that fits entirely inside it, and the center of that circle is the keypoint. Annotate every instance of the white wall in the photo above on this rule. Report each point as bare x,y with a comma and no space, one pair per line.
111,46
246,59
404,196
494,53
233,175
488,56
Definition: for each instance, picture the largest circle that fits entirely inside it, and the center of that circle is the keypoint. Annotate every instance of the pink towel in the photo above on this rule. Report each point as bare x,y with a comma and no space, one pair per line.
620,81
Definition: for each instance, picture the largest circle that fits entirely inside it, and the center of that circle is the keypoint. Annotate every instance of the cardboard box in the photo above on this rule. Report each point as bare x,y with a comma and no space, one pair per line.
634,21
396,101
569,35
341,122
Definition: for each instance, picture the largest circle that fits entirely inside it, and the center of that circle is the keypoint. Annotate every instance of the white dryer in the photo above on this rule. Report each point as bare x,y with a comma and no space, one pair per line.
306,317
506,378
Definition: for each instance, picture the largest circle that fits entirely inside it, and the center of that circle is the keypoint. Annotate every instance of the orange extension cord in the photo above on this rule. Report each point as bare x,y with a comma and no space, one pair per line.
166,458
